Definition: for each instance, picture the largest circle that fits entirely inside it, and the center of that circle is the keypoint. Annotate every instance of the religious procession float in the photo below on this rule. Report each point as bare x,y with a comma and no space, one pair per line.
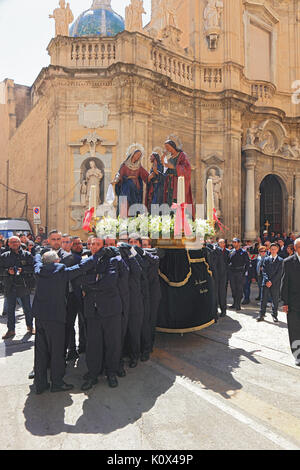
168,217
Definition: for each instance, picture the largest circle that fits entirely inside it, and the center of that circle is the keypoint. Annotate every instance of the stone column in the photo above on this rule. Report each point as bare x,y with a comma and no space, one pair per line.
250,232
297,204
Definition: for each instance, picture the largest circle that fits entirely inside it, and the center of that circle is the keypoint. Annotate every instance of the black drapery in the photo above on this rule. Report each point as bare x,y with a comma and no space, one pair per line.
187,302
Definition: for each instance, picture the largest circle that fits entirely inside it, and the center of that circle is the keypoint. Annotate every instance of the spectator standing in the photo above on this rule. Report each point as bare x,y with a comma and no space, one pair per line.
272,272
16,267
238,266
259,269
290,294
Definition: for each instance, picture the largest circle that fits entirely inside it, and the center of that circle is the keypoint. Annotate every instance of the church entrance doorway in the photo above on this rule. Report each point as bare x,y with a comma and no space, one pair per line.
271,204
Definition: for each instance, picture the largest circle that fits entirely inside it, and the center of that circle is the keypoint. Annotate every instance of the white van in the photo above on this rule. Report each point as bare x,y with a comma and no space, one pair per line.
10,227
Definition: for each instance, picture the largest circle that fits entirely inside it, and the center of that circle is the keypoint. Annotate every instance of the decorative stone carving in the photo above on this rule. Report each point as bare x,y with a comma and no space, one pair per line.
93,116
171,37
217,188
92,139
295,147
252,134
212,21
134,16
63,17
270,138
269,143
77,215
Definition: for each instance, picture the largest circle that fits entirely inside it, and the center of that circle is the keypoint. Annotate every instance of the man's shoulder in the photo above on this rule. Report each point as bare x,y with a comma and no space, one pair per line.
289,260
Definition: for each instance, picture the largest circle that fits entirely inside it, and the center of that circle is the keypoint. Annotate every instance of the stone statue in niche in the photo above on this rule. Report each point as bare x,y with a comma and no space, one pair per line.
169,13
93,177
212,22
217,189
63,17
212,14
134,16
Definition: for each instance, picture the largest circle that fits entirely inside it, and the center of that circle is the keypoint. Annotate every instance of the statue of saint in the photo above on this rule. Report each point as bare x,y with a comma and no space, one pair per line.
134,16
63,17
93,177
252,134
217,189
168,13
177,165
212,14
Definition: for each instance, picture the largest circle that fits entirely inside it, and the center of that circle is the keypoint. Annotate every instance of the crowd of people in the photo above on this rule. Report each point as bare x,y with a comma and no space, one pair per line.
272,263
112,287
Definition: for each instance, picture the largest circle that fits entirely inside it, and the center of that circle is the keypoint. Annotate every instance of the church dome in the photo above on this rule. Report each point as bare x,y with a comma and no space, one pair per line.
99,20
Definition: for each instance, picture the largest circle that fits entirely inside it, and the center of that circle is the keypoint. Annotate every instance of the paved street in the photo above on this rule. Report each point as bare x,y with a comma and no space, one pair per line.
232,386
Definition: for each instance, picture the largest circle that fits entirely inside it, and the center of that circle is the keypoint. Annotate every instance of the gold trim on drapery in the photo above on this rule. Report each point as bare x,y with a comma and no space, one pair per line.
185,330
176,284
185,281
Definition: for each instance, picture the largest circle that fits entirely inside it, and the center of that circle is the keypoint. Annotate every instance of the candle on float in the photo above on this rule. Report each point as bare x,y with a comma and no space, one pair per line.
93,198
210,201
181,190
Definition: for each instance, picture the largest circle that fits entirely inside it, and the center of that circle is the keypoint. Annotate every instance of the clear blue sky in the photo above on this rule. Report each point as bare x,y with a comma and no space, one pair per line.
26,30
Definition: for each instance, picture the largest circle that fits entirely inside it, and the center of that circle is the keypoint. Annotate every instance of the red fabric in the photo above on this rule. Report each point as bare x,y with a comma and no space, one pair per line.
125,171
221,226
88,216
183,168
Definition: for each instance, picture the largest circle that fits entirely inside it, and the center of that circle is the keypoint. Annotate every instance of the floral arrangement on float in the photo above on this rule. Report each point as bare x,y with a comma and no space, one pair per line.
175,230
155,227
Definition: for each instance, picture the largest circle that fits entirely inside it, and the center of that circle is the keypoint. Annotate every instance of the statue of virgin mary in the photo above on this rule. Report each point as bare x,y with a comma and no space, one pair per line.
131,176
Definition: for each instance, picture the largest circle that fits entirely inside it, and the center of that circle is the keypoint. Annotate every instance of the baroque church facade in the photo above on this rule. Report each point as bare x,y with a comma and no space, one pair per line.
220,76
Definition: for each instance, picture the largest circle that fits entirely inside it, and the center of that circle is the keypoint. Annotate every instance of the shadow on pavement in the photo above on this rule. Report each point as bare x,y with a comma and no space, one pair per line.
104,410
203,360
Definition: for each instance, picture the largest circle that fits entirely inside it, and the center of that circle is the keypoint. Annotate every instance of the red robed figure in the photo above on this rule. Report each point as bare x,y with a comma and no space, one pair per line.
182,167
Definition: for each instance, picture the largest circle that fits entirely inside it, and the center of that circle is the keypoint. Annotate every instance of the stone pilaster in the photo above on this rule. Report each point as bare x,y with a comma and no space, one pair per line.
250,232
297,204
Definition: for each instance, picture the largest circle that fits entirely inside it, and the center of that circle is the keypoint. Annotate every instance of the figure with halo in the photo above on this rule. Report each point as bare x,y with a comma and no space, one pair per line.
177,165
129,180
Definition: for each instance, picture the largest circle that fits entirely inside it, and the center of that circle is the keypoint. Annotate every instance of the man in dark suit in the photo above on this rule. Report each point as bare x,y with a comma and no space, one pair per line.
103,305
238,262
75,305
49,309
282,249
290,294
16,268
272,272
222,256
262,253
